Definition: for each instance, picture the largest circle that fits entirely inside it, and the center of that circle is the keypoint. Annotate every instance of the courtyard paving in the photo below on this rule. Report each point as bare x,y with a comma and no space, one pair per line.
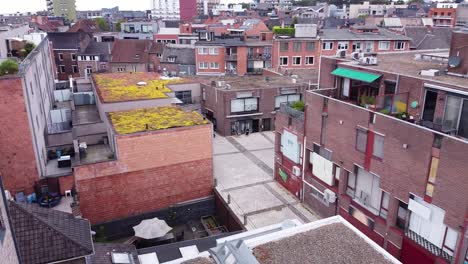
243,169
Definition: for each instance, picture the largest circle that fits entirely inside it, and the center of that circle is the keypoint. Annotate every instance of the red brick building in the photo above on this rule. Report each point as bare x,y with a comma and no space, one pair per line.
143,178
393,165
443,17
188,9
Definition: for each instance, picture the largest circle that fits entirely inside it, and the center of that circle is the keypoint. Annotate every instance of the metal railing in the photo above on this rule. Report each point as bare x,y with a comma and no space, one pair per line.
435,250
254,71
232,57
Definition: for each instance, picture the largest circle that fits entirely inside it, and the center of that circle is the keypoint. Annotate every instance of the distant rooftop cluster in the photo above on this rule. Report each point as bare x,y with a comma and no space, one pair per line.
117,87
148,119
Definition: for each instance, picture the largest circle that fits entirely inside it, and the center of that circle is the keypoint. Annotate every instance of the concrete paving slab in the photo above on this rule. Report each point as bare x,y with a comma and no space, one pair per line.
270,217
254,198
270,135
222,146
254,141
266,155
285,195
234,170
305,212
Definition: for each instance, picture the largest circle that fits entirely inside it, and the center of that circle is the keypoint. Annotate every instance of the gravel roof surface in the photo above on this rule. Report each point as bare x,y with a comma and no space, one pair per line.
199,261
333,243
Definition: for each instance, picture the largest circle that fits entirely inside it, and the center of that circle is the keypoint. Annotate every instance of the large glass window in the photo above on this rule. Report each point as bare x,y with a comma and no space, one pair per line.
184,96
378,150
343,45
361,140
327,46
384,45
284,46
297,46
368,192
244,105
287,98
452,111
310,46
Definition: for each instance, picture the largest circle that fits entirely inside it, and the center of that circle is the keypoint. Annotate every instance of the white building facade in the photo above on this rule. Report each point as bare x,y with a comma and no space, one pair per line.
165,9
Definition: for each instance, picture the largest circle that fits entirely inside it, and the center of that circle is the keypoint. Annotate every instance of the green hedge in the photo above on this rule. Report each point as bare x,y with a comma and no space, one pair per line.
283,31
8,67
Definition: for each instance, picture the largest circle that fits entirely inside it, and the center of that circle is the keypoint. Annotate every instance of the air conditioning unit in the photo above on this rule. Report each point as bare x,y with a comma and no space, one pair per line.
368,60
329,195
296,171
220,83
341,53
356,55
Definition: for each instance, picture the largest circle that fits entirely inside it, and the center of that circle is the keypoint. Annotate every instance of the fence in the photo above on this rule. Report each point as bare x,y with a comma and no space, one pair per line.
393,103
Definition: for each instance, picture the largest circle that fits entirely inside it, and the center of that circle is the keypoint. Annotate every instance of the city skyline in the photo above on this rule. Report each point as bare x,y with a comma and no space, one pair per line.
40,5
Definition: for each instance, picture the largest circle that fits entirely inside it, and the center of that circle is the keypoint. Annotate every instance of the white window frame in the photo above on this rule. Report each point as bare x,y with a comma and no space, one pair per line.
73,55
306,62
281,60
294,62
397,44
327,45
202,51
75,67
203,65
60,56
382,42
214,65
342,45
213,51
121,69
60,69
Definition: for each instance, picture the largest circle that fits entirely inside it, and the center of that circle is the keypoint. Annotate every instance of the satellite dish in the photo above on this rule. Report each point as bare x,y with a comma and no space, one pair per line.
454,61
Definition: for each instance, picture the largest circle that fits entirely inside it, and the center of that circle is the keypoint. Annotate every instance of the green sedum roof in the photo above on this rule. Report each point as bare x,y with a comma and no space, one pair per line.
356,75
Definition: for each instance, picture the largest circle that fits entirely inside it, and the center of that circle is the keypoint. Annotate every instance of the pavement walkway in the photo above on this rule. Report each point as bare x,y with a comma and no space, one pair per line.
243,168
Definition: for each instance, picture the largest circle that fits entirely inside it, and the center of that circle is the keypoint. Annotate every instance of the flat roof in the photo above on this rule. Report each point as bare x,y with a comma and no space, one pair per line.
151,119
250,82
120,87
411,64
332,243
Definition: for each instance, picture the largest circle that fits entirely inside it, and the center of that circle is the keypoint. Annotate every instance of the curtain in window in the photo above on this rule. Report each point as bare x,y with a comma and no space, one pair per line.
361,140
368,190
452,111
432,229
237,105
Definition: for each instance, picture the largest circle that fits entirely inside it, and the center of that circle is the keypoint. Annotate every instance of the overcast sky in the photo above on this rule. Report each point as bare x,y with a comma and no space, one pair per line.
11,6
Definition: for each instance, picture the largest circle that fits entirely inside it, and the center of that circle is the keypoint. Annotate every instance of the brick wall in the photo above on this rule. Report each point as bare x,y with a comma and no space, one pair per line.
290,53
67,62
241,61
153,170
8,252
220,58
18,162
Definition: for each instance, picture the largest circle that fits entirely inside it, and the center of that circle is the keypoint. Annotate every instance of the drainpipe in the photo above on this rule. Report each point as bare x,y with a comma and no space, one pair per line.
304,152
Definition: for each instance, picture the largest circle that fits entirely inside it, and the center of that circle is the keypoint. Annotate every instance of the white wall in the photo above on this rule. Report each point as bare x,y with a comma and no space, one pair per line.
15,32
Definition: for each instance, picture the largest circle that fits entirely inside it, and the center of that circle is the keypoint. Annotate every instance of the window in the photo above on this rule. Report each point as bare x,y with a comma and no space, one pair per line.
120,69
378,146
283,61
202,51
284,46
453,105
73,57
361,140
290,146
287,98
244,105
203,65
60,56
214,65
75,68
401,215
399,45
171,58
310,45
384,45
384,205
343,45
327,46
184,96
297,46
309,60
214,51
296,60
368,192
62,68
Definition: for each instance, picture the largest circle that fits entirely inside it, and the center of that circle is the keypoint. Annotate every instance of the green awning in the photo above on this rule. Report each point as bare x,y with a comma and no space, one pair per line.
356,75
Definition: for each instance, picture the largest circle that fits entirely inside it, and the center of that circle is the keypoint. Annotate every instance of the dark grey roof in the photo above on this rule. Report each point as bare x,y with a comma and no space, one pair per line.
102,253
221,42
46,235
184,54
346,34
333,22
66,40
429,38
103,49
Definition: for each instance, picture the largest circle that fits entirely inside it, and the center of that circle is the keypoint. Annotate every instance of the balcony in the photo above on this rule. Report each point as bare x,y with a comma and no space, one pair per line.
435,250
259,56
231,57
292,112
254,71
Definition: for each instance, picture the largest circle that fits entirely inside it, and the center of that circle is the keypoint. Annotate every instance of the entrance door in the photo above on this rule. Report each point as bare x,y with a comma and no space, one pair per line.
241,127
255,125
266,124
429,105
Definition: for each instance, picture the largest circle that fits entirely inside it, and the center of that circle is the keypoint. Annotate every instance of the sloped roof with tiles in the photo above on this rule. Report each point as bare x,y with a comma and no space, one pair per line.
46,235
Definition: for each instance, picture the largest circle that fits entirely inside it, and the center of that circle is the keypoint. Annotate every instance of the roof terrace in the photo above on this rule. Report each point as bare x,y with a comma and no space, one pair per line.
120,87
151,119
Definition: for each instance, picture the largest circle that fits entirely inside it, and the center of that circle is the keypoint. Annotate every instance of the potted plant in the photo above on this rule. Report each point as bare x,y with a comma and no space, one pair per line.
368,102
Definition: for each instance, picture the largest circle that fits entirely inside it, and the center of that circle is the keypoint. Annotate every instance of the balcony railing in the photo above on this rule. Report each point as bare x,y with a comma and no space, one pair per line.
435,250
254,71
232,57
287,109
259,56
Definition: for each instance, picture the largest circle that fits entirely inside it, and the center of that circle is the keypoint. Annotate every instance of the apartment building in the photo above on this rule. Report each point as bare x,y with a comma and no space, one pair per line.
95,58
367,9
26,118
62,8
383,146
239,105
166,9
131,55
442,16
138,30
65,47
